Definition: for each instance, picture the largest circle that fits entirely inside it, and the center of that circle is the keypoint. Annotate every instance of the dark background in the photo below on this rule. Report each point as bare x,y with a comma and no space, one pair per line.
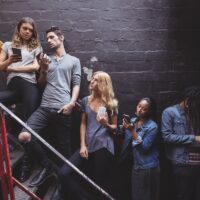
149,47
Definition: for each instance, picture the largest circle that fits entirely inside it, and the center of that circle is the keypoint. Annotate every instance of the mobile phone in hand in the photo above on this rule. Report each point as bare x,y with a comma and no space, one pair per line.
17,52
127,117
38,56
78,106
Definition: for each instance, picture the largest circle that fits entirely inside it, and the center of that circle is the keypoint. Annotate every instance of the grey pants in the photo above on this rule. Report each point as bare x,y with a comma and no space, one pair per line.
145,184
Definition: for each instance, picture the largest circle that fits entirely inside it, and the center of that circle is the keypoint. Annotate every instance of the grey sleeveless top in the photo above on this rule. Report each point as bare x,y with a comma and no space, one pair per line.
97,136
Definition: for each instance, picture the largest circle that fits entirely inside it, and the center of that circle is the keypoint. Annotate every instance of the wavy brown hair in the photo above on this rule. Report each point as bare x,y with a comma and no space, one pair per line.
33,41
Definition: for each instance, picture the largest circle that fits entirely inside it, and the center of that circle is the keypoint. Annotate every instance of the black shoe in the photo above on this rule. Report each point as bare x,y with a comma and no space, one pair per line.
57,194
25,173
41,177
25,170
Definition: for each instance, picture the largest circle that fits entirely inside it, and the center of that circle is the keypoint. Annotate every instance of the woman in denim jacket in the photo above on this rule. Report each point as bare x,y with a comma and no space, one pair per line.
180,131
141,132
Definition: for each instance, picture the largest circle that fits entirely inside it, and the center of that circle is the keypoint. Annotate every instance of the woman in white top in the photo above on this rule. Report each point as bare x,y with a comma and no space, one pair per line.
21,81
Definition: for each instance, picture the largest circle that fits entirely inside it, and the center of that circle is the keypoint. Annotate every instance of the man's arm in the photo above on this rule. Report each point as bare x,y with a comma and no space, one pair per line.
76,81
42,79
168,133
66,109
75,94
44,62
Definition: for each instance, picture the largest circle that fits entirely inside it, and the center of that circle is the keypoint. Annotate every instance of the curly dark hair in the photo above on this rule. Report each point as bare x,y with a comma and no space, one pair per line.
191,96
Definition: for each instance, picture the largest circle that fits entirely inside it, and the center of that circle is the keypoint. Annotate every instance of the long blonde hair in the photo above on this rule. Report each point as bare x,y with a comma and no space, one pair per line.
105,89
34,40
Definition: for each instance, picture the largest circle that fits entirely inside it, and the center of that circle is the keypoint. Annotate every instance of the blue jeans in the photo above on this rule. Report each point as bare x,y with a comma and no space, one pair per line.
145,184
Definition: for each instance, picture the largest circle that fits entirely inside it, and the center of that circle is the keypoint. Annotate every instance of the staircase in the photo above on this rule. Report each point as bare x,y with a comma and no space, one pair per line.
44,191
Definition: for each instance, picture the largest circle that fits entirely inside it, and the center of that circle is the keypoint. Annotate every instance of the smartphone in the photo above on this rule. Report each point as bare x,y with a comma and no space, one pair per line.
17,51
127,117
38,56
78,106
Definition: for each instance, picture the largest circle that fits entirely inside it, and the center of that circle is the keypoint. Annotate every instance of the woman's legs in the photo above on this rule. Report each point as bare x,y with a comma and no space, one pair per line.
102,165
99,166
70,181
28,93
8,97
145,184
29,96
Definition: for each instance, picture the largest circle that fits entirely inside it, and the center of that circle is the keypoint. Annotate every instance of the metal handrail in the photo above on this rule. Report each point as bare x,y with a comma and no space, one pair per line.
97,187
6,179
5,163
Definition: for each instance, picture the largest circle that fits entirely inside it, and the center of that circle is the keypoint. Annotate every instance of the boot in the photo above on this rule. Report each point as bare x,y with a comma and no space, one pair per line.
57,194
25,170
41,177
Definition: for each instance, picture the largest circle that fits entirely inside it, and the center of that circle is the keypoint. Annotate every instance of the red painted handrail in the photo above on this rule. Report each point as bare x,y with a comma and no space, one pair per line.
5,168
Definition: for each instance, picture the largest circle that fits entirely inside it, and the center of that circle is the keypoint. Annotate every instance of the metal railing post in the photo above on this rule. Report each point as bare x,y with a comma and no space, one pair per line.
97,187
6,157
7,181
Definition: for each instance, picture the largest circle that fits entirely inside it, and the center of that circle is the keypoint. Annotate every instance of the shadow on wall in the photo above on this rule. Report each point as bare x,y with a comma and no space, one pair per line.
184,30
184,47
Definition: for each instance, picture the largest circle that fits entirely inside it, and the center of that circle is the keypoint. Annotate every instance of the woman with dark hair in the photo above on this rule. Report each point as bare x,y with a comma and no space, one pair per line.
21,81
181,134
141,134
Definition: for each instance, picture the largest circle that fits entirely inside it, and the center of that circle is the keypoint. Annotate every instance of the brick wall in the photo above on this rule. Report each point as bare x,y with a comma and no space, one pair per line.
149,47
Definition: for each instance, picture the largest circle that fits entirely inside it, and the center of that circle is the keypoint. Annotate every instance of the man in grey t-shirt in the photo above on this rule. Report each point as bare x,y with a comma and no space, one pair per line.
62,77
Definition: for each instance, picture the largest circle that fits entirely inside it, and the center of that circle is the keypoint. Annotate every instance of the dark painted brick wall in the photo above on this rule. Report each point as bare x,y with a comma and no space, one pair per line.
149,47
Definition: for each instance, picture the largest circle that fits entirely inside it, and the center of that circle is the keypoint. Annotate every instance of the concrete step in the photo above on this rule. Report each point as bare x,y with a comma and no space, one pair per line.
44,191
47,190
16,155
21,195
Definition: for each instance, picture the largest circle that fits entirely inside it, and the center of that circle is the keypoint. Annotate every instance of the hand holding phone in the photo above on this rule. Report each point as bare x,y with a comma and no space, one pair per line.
16,56
78,107
127,122
127,118
17,52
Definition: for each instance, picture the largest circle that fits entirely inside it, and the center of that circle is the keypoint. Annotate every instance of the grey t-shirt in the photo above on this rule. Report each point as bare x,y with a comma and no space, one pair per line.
97,136
63,74
27,59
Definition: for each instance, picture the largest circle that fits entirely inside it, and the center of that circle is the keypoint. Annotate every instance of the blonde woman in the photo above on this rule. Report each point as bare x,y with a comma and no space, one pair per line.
21,80
98,122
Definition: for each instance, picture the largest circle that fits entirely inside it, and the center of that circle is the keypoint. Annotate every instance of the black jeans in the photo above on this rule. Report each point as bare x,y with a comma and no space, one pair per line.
145,184
20,90
24,92
187,182
98,167
43,118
